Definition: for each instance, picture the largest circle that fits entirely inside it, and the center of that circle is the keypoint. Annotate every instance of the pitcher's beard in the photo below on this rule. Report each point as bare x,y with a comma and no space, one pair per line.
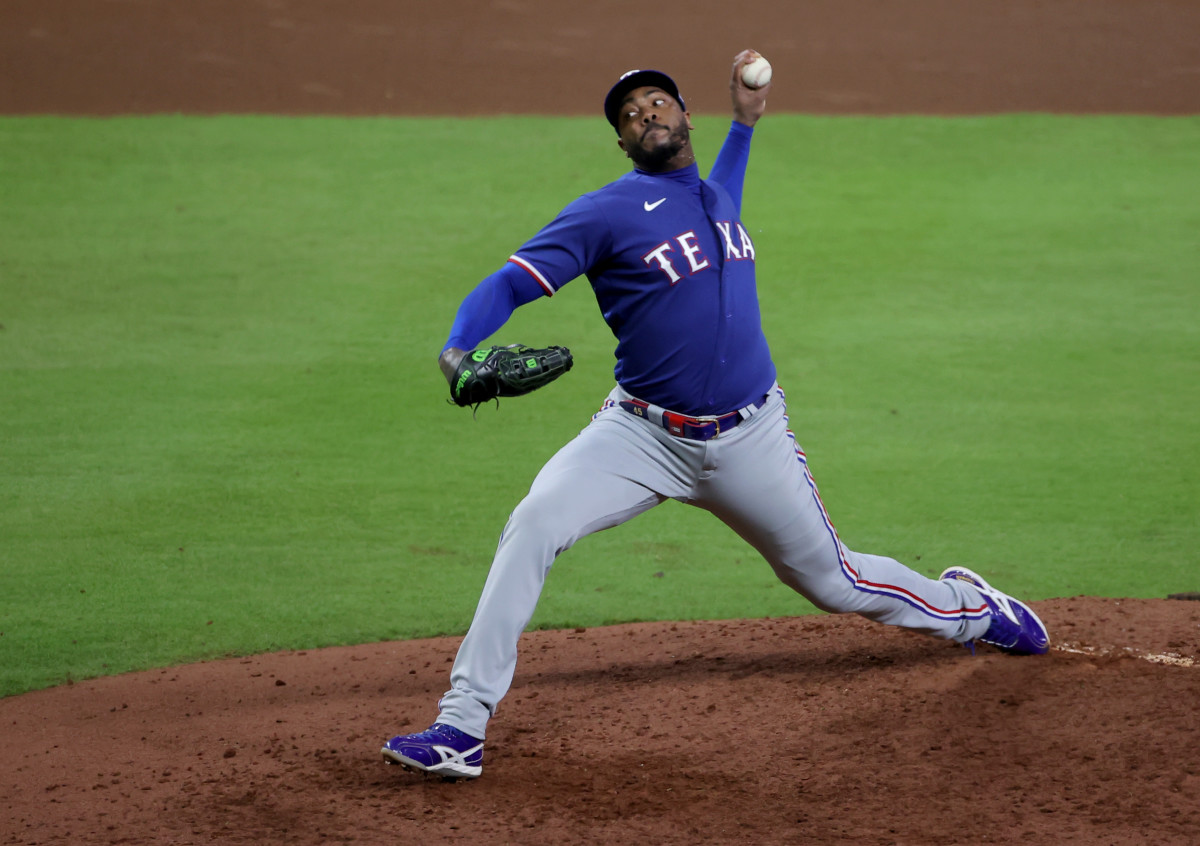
656,159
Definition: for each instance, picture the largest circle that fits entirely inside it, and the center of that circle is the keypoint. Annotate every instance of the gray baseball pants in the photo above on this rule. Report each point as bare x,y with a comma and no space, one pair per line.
754,478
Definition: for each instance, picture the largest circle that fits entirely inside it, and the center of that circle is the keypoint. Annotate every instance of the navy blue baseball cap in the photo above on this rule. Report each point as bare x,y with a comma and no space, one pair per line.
636,79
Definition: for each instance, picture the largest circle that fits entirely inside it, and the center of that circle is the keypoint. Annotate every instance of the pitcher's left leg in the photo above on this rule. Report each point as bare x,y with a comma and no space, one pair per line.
761,487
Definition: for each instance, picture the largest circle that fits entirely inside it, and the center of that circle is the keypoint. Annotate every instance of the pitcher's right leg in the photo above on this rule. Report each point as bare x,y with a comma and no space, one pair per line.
610,473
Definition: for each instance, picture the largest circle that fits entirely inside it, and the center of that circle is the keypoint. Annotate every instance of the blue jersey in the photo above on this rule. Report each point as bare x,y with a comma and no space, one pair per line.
672,268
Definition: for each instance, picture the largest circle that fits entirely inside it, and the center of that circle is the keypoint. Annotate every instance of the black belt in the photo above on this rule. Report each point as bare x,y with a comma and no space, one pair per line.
692,428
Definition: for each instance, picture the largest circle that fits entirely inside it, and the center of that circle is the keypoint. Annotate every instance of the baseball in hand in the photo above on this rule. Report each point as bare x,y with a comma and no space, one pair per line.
757,73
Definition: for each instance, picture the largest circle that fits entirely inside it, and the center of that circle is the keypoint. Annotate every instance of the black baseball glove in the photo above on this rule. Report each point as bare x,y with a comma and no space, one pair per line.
486,374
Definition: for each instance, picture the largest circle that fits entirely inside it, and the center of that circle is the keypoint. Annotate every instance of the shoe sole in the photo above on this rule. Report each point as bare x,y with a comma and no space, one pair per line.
446,771
973,578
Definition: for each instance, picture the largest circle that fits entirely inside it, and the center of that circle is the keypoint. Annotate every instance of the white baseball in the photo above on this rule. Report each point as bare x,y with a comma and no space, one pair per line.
757,73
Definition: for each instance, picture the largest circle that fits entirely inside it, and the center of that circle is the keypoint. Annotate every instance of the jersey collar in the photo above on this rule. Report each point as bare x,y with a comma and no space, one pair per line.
687,177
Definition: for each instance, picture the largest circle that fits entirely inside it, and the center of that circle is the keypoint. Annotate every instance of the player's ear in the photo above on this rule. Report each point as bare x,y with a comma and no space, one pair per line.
621,144
688,117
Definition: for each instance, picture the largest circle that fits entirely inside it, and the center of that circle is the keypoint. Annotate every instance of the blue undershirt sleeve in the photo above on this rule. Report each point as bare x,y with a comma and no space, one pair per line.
729,169
490,304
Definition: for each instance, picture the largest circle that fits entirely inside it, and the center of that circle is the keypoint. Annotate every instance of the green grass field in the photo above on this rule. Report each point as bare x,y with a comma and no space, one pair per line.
223,431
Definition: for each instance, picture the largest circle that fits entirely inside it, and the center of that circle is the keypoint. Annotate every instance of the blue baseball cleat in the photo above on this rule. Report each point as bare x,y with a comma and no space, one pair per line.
1014,628
440,749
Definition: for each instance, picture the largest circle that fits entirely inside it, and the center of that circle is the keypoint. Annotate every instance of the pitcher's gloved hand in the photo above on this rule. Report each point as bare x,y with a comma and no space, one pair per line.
486,374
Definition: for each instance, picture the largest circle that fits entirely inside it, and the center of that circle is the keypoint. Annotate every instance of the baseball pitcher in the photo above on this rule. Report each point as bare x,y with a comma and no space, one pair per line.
696,415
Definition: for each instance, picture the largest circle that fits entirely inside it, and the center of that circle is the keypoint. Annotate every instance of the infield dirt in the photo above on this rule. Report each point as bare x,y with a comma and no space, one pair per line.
807,730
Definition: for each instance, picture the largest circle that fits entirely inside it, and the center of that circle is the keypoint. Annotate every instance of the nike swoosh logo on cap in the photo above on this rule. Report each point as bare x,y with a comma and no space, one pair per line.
653,206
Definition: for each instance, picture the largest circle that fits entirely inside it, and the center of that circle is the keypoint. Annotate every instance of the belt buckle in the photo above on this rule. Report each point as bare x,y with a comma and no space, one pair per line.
678,424
704,421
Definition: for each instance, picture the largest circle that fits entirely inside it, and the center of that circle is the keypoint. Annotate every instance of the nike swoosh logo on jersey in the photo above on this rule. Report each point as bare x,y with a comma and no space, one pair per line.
653,206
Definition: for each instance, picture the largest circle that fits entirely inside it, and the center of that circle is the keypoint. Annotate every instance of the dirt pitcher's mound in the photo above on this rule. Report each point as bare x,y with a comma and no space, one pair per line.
799,730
